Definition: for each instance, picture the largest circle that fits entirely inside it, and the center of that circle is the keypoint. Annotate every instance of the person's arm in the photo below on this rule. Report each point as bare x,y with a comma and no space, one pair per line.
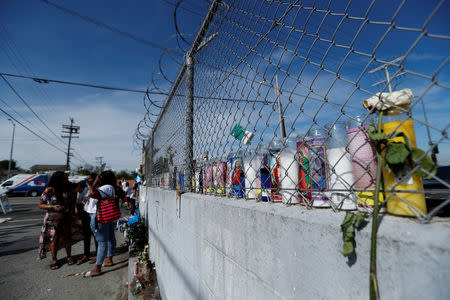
93,190
43,205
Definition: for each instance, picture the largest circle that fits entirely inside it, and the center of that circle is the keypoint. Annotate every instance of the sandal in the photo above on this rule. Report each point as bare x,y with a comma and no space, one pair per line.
82,260
54,266
90,274
93,260
70,261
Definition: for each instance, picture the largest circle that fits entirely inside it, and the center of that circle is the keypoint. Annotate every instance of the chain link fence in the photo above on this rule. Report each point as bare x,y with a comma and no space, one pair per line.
275,99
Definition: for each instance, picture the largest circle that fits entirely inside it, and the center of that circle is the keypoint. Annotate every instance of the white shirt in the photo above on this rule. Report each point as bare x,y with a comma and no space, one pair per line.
90,204
107,191
124,185
128,192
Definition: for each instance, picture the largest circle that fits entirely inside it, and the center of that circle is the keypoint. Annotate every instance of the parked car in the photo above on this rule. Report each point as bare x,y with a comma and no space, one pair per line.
437,191
24,185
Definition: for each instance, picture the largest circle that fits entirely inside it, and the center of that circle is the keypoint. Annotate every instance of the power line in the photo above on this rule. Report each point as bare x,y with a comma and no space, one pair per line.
40,138
37,135
44,80
17,113
25,119
26,104
15,50
106,26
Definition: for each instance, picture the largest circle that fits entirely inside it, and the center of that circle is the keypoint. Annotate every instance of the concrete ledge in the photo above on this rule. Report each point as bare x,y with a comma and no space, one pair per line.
209,247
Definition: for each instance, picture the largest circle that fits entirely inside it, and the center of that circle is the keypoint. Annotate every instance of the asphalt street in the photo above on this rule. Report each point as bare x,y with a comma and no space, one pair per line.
22,276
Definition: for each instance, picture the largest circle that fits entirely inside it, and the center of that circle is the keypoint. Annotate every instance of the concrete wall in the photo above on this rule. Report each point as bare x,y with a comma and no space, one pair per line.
219,248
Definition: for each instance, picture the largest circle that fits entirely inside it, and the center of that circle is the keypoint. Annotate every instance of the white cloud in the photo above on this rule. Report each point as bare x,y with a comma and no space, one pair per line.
107,124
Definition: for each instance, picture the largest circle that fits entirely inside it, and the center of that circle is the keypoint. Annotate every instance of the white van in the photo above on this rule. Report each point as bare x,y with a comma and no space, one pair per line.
24,185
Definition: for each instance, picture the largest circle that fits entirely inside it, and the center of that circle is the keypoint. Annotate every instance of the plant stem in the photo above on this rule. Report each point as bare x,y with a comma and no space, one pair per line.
374,291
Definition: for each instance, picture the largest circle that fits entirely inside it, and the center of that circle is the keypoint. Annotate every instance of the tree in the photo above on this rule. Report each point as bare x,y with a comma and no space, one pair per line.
87,169
5,163
126,175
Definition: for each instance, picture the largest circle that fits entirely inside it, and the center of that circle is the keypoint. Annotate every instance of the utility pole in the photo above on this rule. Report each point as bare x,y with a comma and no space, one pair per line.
12,145
72,131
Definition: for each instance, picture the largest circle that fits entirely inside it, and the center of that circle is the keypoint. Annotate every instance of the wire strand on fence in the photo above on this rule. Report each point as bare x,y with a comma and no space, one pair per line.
321,59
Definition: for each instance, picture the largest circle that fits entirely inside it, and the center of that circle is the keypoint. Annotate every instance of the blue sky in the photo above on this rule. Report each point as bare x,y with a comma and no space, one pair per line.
38,39
57,45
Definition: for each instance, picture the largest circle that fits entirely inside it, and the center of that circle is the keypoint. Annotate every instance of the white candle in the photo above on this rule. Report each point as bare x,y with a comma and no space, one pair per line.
289,173
340,168
251,169
341,178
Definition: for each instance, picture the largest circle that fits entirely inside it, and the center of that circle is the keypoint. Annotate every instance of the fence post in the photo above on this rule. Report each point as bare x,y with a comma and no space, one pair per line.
149,160
189,151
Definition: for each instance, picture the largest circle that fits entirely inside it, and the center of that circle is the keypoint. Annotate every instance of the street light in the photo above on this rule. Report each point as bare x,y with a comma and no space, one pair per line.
12,145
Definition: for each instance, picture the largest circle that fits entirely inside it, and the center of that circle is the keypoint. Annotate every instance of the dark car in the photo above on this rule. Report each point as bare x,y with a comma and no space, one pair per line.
438,191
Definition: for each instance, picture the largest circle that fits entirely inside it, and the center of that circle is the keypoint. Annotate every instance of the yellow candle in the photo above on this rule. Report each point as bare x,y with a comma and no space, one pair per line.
395,204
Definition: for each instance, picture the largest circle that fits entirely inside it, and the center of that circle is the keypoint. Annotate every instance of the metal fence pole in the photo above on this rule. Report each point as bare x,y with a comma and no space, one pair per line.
189,64
149,160
189,159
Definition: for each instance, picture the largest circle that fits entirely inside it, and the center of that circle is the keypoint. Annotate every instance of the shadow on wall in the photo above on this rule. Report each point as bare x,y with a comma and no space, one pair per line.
189,283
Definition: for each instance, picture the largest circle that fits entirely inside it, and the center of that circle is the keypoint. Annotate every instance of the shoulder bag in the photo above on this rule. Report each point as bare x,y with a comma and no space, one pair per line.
107,210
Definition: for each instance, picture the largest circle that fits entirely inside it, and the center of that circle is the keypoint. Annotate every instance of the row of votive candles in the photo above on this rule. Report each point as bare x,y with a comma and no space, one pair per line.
335,167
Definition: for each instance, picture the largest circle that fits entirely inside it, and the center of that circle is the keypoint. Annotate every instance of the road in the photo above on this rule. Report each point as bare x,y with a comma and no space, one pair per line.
24,277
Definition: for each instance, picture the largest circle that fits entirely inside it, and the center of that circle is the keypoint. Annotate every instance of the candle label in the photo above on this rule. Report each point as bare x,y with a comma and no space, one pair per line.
304,175
209,178
318,167
237,177
264,175
275,172
220,168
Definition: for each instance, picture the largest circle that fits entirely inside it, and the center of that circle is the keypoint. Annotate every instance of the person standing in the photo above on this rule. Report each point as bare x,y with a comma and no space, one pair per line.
102,189
88,213
59,203
124,184
128,193
121,196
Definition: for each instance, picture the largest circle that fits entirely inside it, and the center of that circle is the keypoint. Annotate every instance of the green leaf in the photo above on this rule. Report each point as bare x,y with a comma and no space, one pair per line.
347,221
371,129
425,163
347,248
405,137
374,135
378,137
359,218
396,153
351,222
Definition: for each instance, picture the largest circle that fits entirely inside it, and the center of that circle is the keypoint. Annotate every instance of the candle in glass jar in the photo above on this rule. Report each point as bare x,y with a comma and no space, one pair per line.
340,168
289,171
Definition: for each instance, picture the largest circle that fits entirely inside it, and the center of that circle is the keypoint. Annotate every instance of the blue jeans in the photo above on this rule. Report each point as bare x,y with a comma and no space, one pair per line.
106,241
93,215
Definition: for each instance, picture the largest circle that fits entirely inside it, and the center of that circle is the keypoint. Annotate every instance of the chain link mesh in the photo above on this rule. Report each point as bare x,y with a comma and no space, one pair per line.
307,67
